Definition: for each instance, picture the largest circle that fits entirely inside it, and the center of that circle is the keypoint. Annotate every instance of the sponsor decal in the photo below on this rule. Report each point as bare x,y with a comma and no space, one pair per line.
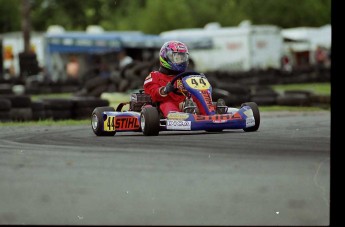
207,97
179,125
180,86
219,121
217,118
177,116
236,116
250,121
113,123
248,113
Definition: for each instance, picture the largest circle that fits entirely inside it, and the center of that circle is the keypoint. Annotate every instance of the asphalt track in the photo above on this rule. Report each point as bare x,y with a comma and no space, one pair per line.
279,175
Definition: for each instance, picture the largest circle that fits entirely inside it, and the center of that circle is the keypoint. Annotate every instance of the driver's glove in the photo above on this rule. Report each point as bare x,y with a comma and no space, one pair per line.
168,88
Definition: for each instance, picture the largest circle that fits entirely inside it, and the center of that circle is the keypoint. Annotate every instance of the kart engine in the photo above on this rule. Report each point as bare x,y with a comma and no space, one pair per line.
138,100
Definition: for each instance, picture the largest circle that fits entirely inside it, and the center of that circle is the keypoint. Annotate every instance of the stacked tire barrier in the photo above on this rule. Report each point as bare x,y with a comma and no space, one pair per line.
83,106
256,86
131,77
21,108
5,108
234,88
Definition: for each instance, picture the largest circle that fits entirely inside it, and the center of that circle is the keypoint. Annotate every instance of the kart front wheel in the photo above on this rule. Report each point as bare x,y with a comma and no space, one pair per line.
97,121
256,114
149,121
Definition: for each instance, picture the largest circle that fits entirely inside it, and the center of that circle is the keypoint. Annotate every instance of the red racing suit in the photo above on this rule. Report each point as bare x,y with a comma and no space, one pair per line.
157,81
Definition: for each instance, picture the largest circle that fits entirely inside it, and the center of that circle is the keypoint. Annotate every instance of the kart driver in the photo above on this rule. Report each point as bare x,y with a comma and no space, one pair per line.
174,59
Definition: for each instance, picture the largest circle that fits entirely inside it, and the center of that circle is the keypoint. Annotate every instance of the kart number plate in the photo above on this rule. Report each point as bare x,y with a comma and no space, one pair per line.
199,83
109,124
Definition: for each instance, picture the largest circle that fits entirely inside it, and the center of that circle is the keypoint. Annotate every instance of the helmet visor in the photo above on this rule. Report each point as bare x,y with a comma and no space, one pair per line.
177,57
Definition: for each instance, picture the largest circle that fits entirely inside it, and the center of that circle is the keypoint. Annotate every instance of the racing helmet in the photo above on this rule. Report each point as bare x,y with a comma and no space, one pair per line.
174,56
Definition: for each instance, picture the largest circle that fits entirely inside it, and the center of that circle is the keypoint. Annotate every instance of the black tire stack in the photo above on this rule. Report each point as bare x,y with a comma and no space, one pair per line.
136,74
58,109
238,94
83,107
38,110
264,95
5,108
5,88
96,86
295,98
131,77
20,107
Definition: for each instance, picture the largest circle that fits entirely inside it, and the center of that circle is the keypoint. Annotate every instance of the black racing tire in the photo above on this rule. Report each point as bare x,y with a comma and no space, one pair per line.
123,85
264,100
18,101
97,121
38,115
5,104
149,121
218,93
61,114
21,114
37,106
96,82
86,102
82,113
294,100
6,89
97,91
5,116
256,114
58,103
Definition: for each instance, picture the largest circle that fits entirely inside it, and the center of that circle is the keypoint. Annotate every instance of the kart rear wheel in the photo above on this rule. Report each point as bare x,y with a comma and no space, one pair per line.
97,121
149,121
256,114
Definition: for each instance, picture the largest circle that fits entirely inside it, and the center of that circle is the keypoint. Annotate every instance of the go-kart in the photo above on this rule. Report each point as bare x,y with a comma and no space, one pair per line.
144,116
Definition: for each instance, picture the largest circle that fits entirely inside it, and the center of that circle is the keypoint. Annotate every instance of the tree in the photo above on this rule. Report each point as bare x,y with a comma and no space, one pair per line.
155,16
9,15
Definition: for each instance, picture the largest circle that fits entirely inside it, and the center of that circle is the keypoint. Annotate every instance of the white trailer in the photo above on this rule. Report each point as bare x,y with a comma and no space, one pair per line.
306,40
241,48
13,44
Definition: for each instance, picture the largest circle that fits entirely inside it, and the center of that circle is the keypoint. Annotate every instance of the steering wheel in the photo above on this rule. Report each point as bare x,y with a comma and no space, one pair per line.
181,75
